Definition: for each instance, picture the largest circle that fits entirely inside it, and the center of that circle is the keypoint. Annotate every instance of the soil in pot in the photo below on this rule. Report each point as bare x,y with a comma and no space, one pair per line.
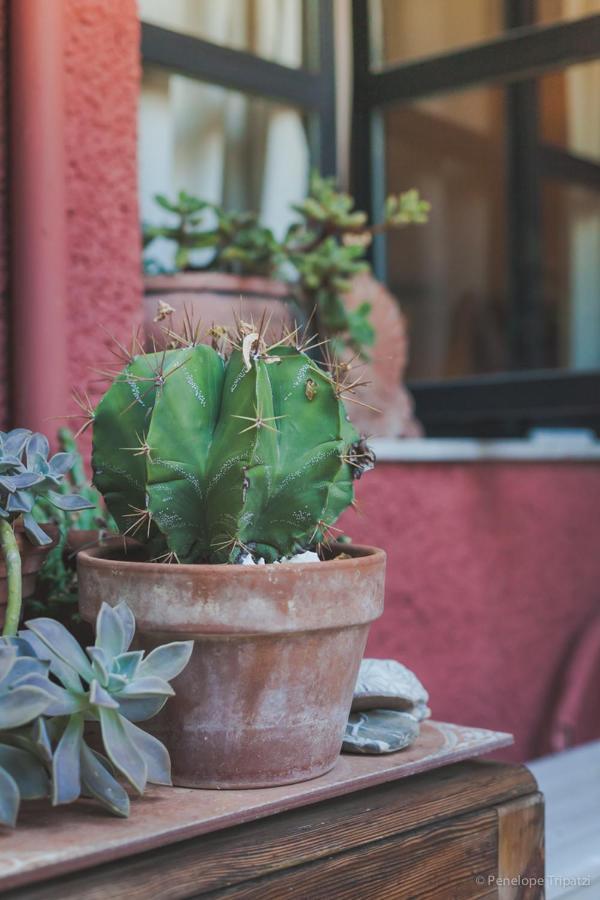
266,696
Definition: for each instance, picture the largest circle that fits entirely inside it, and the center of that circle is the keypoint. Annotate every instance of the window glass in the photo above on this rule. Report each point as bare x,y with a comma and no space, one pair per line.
244,152
272,29
450,275
548,11
570,110
571,275
404,29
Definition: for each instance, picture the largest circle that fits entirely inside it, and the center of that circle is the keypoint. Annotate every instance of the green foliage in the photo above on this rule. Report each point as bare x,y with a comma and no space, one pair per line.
235,242
50,688
56,594
319,257
205,459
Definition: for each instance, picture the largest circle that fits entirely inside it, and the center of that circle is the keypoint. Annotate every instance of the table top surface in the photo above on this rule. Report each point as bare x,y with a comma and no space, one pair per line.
52,841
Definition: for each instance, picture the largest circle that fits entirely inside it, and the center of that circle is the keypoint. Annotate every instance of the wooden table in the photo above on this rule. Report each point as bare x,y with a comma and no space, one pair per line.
365,830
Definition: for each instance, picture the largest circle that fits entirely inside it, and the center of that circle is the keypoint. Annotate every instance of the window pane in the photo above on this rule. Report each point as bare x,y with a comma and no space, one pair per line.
223,146
559,10
570,109
405,29
272,29
571,275
450,275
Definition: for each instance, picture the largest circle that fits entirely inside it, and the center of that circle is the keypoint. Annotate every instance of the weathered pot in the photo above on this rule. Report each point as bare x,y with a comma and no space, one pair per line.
32,560
267,693
214,297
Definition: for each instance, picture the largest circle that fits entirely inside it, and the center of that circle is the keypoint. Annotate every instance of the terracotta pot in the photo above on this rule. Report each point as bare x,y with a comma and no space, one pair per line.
214,297
266,695
32,560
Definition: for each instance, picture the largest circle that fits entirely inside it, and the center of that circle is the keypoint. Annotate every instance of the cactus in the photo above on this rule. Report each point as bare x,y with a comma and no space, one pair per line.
43,751
206,460
26,477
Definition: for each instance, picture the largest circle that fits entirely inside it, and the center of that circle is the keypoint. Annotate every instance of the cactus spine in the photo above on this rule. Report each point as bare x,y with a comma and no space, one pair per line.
206,459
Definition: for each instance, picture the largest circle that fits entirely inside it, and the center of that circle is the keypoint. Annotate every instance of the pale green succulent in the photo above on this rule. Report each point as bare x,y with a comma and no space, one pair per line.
53,690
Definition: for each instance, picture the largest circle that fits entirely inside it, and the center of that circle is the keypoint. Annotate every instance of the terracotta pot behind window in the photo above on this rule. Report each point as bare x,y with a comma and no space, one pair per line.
215,298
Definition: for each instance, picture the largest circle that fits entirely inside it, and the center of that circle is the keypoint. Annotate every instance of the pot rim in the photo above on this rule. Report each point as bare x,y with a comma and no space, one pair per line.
273,288
100,556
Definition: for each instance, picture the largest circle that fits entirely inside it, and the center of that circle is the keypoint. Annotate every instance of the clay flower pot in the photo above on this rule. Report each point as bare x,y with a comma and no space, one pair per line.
214,297
32,560
267,693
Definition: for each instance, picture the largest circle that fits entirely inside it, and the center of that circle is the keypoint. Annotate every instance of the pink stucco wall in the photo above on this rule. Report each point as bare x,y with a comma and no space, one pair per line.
102,85
493,574
4,358
102,69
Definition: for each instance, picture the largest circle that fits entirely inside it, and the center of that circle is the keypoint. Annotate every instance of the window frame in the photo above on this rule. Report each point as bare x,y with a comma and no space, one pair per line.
512,402
311,92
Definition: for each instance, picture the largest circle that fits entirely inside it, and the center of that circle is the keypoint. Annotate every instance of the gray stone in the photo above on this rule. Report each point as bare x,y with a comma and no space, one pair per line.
380,731
387,684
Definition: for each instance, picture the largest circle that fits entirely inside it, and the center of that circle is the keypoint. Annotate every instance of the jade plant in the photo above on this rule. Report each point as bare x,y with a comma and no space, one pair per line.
211,459
28,476
50,692
233,242
318,258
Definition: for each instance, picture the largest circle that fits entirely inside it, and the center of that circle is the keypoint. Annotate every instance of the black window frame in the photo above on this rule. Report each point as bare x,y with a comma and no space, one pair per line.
509,403
311,92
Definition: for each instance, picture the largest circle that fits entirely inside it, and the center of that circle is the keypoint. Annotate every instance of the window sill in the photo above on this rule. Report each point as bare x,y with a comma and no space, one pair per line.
572,446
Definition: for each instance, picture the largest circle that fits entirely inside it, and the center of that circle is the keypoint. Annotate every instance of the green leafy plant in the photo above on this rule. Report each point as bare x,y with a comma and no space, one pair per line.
56,593
232,242
51,691
28,476
328,249
206,459
319,256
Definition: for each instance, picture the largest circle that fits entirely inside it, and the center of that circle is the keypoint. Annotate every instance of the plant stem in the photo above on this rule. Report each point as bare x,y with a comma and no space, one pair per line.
12,558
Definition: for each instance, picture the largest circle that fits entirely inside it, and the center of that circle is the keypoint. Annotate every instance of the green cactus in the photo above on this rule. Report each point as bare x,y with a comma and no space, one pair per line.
206,459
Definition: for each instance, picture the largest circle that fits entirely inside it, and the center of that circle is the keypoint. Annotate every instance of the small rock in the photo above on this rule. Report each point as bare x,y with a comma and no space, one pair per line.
380,731
387,684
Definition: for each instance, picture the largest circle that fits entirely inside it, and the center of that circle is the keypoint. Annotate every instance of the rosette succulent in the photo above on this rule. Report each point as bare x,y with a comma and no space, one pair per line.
27,475
25,754
51,694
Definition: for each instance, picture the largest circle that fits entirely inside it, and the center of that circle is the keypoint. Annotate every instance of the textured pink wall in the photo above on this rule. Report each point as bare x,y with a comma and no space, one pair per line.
4,359
104,282
493,571
102,63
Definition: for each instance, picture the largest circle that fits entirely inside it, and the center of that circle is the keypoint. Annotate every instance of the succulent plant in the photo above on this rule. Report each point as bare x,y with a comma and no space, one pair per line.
234,241
24,743
328,249
206,459
26,477
43,750
318,258
56,591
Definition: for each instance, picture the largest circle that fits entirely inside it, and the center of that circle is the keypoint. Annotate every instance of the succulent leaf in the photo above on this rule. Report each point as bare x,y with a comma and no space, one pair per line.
121,750
10,799
66,767
98,782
